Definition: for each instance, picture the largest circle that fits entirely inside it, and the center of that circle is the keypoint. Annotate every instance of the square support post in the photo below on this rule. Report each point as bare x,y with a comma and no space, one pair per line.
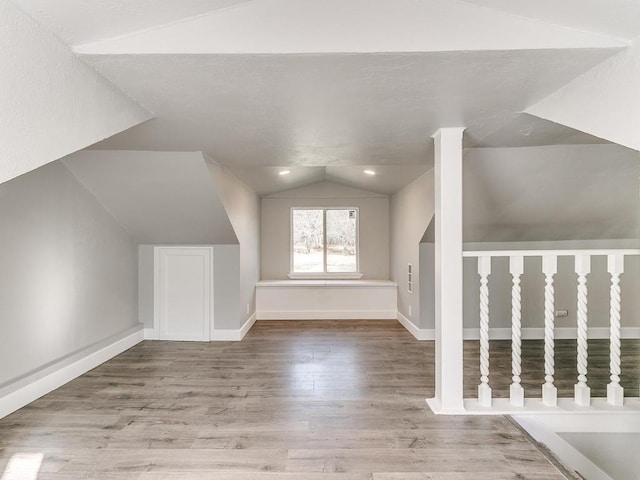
448,272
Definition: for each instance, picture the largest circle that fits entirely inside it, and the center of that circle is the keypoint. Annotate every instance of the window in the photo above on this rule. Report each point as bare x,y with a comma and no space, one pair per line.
324,240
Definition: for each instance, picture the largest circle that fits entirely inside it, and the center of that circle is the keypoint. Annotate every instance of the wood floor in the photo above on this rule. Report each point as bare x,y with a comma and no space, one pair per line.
293,400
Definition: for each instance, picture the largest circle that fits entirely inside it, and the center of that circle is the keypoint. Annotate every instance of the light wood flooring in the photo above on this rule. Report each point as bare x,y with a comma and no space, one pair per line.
294,400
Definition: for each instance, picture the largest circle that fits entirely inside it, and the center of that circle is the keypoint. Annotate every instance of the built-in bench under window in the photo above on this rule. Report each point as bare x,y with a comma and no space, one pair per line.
326,299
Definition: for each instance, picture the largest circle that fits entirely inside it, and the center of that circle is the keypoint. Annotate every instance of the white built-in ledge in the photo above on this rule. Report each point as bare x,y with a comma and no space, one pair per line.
325,276
326,299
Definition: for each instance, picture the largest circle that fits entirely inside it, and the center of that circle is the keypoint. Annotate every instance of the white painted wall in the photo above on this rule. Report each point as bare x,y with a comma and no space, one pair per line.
145,285
52,103
242,206
427,282
567,192
228,313
373,224
412,209
605,101
70,277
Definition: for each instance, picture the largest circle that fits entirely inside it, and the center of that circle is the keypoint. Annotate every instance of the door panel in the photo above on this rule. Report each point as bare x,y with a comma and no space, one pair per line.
185,293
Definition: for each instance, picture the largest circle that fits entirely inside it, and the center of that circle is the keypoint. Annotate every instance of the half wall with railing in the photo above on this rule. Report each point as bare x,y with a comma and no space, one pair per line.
616,398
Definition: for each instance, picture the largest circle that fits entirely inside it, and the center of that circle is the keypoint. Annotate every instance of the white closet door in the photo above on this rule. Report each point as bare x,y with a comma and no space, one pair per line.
184,302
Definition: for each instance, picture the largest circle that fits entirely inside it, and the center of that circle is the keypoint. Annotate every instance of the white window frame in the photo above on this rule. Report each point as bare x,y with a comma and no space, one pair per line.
324,274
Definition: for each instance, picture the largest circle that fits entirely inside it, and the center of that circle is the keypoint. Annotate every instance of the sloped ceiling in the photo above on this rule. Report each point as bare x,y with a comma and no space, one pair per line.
326,87
159,197
614,18
51,103
350,26
571,192
80,21
329,110
613,112
325,189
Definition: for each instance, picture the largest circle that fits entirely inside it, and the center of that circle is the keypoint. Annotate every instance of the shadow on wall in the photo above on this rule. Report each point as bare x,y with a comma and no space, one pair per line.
427,281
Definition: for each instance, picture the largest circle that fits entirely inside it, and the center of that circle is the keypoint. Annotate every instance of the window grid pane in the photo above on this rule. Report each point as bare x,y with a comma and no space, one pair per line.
308,241
324,240
341,241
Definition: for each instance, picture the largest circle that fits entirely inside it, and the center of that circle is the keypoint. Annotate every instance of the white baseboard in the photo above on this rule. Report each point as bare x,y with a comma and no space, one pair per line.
327,315
24,391
228,335
247,325
561,333
233,335
418,333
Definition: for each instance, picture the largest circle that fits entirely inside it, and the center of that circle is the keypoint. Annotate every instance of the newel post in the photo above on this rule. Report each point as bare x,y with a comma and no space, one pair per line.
448,271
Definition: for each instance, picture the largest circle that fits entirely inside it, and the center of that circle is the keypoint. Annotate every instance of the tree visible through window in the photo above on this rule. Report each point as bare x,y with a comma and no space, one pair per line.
324,240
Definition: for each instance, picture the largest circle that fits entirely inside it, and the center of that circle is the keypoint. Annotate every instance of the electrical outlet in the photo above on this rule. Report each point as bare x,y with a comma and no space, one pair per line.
562,313
248,309
409,310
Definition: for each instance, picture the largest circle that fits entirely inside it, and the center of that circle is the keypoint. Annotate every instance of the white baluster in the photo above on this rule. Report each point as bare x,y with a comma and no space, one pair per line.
582,392
516,268
615,392
484,391
549,390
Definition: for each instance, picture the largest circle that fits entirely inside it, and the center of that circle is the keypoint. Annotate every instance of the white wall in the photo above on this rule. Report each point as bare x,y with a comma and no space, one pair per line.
605,101
52,103
145,285
243,209
373,224
427,285
228,311
566,192
70,276
412,209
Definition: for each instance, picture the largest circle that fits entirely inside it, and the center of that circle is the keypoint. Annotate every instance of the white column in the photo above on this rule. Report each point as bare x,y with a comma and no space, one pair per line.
448,271
484,390
516,392
615,392
549,390
582,393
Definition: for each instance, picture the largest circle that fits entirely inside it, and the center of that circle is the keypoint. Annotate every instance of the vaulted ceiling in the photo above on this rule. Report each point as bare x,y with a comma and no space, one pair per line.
326,87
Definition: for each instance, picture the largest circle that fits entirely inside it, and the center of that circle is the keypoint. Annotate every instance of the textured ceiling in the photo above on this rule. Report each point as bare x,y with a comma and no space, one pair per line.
575,192
321,85
351,26
387,180
329,110
523,130
82,21
616,18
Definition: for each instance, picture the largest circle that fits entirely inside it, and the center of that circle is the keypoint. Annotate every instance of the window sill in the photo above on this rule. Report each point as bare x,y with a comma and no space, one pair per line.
325,276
